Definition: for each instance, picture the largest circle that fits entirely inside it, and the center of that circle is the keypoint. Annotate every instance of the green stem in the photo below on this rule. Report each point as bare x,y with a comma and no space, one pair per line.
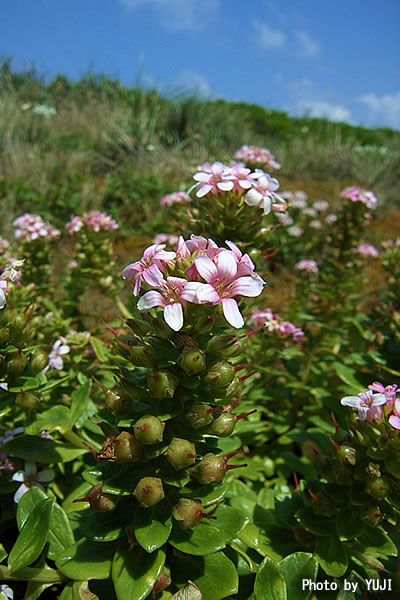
123,308
74,439
32,574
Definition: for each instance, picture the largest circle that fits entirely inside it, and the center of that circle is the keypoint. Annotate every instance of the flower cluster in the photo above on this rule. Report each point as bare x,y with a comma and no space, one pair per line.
374,407
367,250
166,238
258,188
307,265
273,324
59,350
358,194
254,156
95,220
175,198
199,272
32,227
7,277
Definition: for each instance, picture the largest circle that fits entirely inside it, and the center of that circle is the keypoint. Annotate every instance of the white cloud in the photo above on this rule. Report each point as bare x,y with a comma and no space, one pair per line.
179,15
306,45
326,110
195,83
268,37
383,110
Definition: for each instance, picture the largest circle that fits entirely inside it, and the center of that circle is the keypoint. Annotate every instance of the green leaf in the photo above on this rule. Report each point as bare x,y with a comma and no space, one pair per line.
77,590
60,534
152,526
33,448
54,419
35,588
134,572
203,539
3,553
348,376
332,556
315,523
353,580
100,349
295,568
117,478
208,494
215,575
229,521
393,466
377,542
32,538
348,524
275,541
269,583
24,384
87,560
79,399
107,526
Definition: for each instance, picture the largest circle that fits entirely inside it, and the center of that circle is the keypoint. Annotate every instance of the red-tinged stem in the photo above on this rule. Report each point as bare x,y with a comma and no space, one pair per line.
114,331
253,331
314,496
92,450
103,387
337,446
244,377
230,467
29,315
27,308
229,456
313,448
334,421
206,516
82,499
233,404
296,481
270,255
126,346
211,410
242,366
242,416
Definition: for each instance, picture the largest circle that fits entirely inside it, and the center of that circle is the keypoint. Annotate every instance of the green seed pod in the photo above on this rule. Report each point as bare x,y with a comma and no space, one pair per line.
199,415
149,430
222,426
378,488
203,325
211,469
149,491
162,383
26,400
220,375
181,453
4,335
119,403
17,327
228,345
371,514
347,454
227,392
98,501
188,512
139,327
16,365
127,448
191,360
143,355
38,361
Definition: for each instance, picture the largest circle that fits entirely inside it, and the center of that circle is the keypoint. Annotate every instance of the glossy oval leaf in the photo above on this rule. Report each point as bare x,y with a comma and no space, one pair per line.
295,568
134,572
215,575
348,524
117,478
77,590
377,542
79,400
332,556
107,526
203,539
32,538
315,523
269,583
229,521
152,526
87,560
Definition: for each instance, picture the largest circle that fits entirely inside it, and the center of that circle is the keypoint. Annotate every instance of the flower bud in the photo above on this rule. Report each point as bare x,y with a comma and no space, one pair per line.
220,375
162,582
120,404
26,400
371,514
127,448
203,325
222,426
181,453
98,501
162,383
149,491
378,488
139,327
17,327
149,430
191,360
346,454
16,365
210,470
38,361
189,513
143,355
199,415
4,335
228,345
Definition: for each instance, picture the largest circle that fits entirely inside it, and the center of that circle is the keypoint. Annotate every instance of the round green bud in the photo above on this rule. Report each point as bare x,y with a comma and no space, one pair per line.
26,400
188,512
378,488
222,426
219,375
139,327
16,365
181,453
143,355
17,327
149,491
119,403
347,454
4,335
191,360
38,361
127,448
149,430
211,469
199,415
371,514
100,502
162,383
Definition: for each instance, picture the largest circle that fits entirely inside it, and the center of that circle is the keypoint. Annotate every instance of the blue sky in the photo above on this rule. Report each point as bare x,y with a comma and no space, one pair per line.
333,58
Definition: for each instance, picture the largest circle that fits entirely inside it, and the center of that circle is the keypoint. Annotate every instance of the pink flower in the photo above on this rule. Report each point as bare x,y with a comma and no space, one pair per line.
31,227
367,404
307,265
295,231
175,198
243,177
331,219
321,205
169,298
390,392
216,179
150,267
394,419
358,194
263,193
257,157
316,224
287,329
222,285
60,349
367,250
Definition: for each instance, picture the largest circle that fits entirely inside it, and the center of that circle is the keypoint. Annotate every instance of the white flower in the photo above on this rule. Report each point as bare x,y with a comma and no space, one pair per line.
29,477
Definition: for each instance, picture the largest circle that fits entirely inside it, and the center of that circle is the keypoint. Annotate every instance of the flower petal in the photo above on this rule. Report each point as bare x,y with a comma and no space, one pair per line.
207,294
206,268
20,492
18,476
353,401
253,198
247,286
173,315
150,299
46,475
232,313
153,276
227,265
395,421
